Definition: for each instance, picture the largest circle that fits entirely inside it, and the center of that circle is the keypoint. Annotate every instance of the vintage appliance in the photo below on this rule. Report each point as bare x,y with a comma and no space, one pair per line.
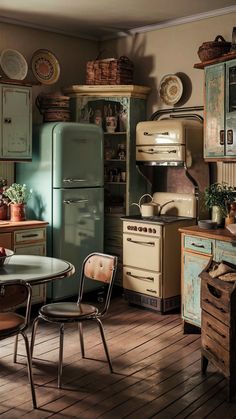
152,252
66,175
169,142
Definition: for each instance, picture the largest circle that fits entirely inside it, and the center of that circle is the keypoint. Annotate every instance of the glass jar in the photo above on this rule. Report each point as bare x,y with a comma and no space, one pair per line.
121,154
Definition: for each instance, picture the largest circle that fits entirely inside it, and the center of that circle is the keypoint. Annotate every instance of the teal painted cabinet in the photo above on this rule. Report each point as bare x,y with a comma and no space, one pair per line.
117,109
193,264
196,253
220,111
16,122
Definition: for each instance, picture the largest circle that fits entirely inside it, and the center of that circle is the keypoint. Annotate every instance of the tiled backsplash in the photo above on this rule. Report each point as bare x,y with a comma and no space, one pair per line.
226,172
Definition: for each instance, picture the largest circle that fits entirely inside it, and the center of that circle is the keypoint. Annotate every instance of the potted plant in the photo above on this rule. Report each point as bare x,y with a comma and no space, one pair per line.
217,198
18,195
3,200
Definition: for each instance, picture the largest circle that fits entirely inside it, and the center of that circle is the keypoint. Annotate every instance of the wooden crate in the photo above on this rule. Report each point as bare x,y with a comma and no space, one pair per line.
218,302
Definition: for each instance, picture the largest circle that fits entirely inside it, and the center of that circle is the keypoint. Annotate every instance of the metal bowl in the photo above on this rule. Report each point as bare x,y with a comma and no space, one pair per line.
207,224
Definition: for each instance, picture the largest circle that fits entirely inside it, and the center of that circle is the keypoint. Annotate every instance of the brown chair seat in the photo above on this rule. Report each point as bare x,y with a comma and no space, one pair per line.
11,322
97,267
67,311
13,295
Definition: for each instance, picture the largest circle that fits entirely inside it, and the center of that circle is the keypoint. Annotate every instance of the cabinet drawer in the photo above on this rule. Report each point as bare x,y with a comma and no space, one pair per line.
216,353
32,249
5,240
216,330
198,244
30,235
225,251
145,282
215,298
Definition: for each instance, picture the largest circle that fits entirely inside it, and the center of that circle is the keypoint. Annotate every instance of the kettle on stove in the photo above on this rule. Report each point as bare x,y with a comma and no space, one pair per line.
148,209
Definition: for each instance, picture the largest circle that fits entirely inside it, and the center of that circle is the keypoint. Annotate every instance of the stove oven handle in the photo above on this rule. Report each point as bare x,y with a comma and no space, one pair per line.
143,243
143,278
153,151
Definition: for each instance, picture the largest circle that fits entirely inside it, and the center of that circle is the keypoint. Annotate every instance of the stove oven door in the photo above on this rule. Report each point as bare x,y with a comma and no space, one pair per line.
163,153
142,251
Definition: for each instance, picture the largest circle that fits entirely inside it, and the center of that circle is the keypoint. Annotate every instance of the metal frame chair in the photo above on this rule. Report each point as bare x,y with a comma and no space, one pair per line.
96,266
12,295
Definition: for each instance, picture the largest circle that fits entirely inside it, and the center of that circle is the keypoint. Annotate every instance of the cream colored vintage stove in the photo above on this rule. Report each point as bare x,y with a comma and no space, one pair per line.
151,252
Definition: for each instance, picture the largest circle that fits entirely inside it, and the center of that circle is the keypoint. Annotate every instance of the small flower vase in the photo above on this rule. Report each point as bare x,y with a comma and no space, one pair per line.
216,215
17,212
3,212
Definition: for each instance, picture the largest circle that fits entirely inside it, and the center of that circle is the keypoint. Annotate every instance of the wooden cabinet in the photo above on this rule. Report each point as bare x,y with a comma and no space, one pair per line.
198,246
220,111
16,122
117,109
26,238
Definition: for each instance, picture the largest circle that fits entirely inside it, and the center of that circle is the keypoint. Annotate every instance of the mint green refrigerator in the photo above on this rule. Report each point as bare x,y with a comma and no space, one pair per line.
66,175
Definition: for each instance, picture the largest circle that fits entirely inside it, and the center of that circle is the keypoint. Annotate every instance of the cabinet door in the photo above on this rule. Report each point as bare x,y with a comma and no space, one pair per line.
193,264
230,109
16,123
214,137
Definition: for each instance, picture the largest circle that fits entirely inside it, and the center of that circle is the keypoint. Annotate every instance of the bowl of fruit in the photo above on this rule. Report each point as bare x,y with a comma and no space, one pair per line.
5,255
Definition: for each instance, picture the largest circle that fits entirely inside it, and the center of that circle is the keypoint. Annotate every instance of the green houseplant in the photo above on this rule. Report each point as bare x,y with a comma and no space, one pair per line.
217,198
4,201
18,195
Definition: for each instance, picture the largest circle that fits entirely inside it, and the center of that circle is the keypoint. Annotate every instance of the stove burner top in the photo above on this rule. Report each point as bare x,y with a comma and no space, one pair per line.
159,219
164,218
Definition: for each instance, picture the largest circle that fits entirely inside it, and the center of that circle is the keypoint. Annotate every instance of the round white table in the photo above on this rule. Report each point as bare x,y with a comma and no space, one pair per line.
35,269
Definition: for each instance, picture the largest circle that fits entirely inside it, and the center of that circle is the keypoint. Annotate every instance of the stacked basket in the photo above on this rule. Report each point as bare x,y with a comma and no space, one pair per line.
110,71
54,107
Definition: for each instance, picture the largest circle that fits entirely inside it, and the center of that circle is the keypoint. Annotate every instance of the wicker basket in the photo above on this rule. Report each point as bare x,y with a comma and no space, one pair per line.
110,71
213,49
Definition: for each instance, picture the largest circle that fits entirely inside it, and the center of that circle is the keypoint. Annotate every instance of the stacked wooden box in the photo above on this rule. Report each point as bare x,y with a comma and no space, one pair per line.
218,303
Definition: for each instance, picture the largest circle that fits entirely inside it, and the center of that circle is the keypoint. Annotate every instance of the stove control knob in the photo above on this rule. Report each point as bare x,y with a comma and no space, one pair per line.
135,228
150,230
154,231
140,229
128,227
144,229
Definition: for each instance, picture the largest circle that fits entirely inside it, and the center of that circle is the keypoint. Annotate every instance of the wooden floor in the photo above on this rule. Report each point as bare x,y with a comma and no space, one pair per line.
157,372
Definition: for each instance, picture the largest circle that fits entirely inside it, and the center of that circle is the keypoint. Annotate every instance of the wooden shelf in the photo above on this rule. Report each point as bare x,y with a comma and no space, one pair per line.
4,80
115,133
114,160
225,57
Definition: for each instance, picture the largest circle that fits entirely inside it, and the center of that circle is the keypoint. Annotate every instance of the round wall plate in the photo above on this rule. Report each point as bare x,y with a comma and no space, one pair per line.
45,66
171,89
13,64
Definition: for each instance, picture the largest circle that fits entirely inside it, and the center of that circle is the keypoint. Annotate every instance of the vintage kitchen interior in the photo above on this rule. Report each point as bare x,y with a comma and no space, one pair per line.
118,210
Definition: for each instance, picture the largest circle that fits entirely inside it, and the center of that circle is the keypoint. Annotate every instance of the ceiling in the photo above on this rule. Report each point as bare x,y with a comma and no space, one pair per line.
101,19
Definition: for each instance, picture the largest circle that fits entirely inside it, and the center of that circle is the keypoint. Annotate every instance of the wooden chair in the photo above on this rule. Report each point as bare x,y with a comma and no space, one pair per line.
12,295
96,267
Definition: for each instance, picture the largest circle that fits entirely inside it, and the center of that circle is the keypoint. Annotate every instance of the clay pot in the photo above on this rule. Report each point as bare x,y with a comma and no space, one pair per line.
17,212
3,212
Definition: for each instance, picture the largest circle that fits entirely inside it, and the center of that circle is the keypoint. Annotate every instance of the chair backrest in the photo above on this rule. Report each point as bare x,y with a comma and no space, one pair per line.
14,294
99,267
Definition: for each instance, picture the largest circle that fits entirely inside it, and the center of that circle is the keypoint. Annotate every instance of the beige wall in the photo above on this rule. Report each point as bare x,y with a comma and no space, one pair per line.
171,50
72,54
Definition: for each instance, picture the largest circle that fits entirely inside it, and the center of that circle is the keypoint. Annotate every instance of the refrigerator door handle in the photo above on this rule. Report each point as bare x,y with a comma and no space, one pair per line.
73,201
71,180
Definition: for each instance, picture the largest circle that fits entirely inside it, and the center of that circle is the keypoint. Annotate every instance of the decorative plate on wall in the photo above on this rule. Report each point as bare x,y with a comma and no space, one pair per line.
45,66
13,64
171,89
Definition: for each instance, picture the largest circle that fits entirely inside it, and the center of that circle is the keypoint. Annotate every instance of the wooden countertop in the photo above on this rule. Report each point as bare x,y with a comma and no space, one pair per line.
7,225
217,234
